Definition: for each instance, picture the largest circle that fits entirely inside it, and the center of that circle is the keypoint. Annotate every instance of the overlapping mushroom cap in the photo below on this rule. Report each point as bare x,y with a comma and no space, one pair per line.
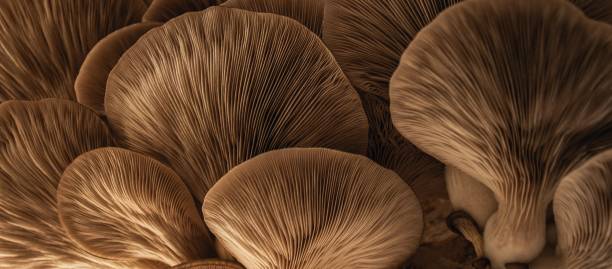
38,139
314,208
164,10
211,89
125,206
515,94
583,215
44,42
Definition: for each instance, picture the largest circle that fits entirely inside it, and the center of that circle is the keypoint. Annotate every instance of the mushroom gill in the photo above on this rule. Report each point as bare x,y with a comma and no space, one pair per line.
164,10
499,90
90,84
44,42
308,12
211,89
125,206
209,264
583,214
314,208
38,139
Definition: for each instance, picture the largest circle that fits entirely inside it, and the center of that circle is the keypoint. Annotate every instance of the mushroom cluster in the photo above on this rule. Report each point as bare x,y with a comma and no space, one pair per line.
306,134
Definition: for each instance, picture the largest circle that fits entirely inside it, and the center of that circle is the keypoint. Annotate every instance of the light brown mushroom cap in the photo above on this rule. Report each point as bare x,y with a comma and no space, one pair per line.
125,206
308,12
212,89
38,139
164,10
44,42
314,208
209,264
516,104
583,215
90,84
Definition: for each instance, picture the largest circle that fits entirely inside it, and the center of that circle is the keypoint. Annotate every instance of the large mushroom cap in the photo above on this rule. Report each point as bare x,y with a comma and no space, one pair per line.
515,93
164,10
38,139
211,89
583,215
90,84
314,208
123,205
44,42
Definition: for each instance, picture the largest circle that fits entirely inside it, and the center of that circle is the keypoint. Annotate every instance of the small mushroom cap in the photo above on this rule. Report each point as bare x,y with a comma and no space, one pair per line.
209,264
211,89
164,10
90,84
583,214
308,12
44,42
38,140
125,206
314,208
474,89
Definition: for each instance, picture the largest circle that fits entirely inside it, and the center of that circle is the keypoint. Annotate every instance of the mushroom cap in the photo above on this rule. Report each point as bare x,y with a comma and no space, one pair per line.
125,206
314,208
209,264
583,214
90,84
308,12
44,42
211,89
164,10
38,139
517,105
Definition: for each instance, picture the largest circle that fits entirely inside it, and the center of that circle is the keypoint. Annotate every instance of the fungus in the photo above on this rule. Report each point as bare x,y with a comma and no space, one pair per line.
209,264
314,208
497,89
44,42
308,12
583,214
90,84
125,206
164,10
212,89
38,139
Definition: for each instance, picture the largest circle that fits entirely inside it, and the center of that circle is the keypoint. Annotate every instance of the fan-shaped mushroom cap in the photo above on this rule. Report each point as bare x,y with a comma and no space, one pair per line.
500,90
596,9
314,208
44,42
123,205
164,10
209,264
38,139
212,89
90,84
583,215
308,12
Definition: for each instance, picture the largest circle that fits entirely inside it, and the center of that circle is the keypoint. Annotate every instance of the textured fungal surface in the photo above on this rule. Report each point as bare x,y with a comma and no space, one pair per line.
44,42
164,10
211,89
38,139
314,208
90,84
123,205
583,215
497,89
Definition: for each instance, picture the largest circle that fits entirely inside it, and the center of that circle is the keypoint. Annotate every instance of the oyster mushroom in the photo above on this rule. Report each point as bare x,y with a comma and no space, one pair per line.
209,264
225,85
307,12
314,208
583,215
44,42
90,84
38,139
517,105
164,10
122,205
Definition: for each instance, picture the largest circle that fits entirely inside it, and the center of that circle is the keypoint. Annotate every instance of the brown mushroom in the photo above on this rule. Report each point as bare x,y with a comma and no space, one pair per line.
498,90
164,10
44,42
38,139
314,208
125,206
212,89
90,84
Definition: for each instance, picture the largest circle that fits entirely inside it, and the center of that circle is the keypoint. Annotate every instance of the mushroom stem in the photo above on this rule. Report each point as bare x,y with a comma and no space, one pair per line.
462,223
